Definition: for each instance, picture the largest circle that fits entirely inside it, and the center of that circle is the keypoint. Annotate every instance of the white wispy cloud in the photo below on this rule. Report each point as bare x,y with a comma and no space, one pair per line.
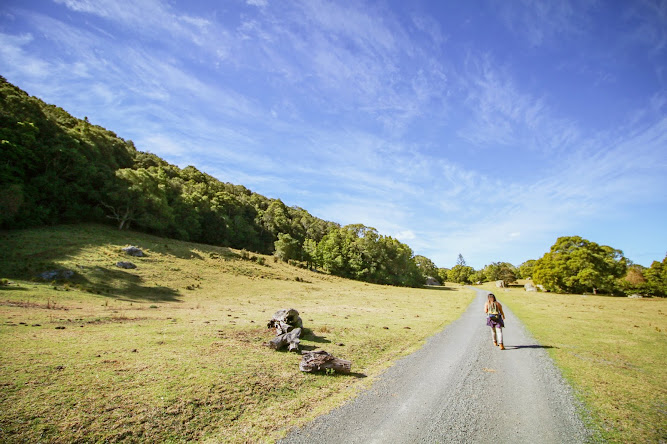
13,52
542,22
504,114
143,16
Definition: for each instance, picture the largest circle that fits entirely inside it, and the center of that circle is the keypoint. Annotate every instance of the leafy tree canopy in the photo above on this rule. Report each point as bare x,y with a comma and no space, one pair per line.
576,265
461,274
427,267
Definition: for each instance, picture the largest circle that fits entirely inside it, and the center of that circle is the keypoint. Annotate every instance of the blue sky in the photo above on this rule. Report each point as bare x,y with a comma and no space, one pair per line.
486,128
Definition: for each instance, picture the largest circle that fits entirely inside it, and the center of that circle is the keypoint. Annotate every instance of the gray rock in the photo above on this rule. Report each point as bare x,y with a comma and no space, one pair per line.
500,284
530,287
125,265
54,275
134,251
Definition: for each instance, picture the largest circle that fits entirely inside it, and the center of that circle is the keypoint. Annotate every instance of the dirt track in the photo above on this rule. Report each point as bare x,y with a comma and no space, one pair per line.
460,388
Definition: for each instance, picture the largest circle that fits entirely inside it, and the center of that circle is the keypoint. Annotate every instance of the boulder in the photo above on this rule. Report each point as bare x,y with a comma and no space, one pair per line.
134,251
540,287
500,283
56,275
530,287
431,281
128,265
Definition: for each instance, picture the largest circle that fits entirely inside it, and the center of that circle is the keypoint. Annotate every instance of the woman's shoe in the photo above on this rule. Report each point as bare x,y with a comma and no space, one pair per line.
495,343
502,347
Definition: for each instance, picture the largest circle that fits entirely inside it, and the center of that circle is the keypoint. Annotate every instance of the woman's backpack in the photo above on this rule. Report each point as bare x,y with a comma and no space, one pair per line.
493,312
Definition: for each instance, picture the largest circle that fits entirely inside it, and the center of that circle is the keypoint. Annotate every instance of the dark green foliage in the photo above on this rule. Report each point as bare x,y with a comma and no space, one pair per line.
56,168
576,265
656,278
461,274
500,271
525,270
443,275
359,252
287,247
53,166
427,267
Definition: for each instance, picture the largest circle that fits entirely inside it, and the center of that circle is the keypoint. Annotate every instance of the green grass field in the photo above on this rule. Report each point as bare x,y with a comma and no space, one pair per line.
173,350
613,351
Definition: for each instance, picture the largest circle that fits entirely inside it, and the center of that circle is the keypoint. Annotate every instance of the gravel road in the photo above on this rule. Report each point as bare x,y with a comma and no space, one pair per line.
459,388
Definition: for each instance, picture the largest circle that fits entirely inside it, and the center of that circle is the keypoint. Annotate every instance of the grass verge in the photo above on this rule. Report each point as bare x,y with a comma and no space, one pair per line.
612,350
173,350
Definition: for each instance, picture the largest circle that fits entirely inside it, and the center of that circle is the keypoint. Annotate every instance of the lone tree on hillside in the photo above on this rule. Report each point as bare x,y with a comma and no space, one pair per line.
576,265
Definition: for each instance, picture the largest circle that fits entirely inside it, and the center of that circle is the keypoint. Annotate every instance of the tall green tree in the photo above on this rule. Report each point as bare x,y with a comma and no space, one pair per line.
576,265
443,275
500,271
526,269
656,278
426,267
287,247
461,274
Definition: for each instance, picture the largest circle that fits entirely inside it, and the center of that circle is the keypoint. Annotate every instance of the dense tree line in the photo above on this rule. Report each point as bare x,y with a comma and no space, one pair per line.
56,168
572,265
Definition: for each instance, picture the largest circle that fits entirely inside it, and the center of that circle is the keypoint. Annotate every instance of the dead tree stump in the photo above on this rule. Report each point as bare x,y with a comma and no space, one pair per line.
288,327
321,360
291,339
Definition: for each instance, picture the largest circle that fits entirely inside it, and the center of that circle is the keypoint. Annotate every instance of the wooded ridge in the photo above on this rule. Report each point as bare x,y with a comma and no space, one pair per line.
60,169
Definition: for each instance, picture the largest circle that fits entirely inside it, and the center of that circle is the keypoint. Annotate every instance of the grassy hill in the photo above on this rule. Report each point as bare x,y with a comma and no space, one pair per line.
173,350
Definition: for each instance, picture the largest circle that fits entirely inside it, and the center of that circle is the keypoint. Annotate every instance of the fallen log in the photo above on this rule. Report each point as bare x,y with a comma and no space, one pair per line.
321,360
291,339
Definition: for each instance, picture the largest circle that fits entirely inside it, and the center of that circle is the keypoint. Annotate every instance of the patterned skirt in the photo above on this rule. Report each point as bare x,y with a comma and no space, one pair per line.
494,324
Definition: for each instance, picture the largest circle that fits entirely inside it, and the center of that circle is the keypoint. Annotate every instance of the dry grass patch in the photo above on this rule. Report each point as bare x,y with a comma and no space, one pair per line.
613,352
135,355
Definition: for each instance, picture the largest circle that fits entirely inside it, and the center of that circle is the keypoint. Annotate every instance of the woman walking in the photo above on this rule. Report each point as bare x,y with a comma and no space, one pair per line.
494,319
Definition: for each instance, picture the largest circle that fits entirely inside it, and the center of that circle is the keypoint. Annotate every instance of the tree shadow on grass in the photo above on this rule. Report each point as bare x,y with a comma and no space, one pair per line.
339,375
12,288
438,288
126,286
309,335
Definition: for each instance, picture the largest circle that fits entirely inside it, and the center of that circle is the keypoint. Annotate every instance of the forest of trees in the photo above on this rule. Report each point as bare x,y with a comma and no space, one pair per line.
57,169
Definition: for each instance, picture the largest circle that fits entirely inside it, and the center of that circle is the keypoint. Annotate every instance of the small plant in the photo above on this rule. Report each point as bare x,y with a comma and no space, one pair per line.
153,306
261,260
4,282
